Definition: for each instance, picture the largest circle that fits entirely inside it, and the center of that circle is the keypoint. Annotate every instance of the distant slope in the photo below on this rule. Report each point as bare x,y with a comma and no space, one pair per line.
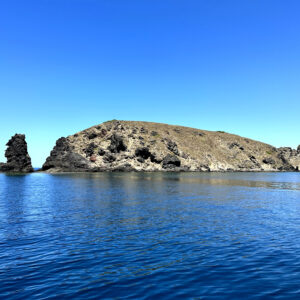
145,146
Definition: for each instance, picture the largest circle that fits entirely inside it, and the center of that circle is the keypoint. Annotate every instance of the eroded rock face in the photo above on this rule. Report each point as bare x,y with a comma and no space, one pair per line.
116,144
144,146
18,159
171,162
63,158
290,158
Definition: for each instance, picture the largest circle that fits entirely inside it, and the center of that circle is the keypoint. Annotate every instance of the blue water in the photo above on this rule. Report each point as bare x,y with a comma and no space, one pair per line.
150,236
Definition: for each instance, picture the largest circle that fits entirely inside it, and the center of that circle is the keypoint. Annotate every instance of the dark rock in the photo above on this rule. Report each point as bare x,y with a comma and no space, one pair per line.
116,144
101,152
203,168
64,159
140,159
143,130
287,168
126,167
254,161
141,138
92,135
232,145
177,130
18,159
269,161
143,152
170,162
89,151
172,146
237,145
103,133
155,159
285,153
109,158
298,150
154,133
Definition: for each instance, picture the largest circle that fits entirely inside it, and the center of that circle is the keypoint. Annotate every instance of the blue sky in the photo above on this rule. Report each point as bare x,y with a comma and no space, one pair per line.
66,65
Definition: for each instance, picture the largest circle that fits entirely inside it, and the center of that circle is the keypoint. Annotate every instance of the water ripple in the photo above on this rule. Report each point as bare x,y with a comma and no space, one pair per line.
150,236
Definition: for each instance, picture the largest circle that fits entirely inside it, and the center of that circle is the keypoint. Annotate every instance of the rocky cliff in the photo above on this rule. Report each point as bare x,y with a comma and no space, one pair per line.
18,159
144,146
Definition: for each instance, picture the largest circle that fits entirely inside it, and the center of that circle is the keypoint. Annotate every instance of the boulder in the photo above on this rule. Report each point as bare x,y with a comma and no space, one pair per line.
93,158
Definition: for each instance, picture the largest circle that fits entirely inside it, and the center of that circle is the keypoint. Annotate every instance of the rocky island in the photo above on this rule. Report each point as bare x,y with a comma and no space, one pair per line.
18,159
145,146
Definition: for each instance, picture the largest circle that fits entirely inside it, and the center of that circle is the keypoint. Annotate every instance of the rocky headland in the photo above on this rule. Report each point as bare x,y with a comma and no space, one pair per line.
18,159
145,146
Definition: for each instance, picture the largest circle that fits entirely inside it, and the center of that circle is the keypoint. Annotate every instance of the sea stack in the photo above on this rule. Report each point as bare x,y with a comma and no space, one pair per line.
18,159
145,146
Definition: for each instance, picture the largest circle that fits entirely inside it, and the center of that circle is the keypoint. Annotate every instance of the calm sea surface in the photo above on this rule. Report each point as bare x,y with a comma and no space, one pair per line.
150,236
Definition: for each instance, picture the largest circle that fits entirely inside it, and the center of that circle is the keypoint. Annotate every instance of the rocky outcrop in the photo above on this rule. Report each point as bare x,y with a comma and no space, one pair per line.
290,158
18,159
144,146
63,158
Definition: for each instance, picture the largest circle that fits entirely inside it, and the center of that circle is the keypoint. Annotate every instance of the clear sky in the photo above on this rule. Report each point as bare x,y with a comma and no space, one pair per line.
66,65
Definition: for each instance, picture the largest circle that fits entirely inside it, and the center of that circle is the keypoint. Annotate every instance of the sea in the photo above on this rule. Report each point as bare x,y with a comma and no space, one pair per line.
150,236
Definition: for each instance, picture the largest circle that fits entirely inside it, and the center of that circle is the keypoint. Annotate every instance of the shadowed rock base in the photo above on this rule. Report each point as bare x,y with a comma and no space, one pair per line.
62,157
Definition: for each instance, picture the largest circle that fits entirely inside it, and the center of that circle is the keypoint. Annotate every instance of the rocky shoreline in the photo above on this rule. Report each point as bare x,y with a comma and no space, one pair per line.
145,146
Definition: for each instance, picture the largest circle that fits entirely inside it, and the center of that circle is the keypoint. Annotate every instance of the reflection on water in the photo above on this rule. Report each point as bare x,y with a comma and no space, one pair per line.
149,235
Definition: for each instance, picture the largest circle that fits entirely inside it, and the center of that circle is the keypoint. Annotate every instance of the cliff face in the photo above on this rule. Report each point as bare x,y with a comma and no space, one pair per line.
144,146
18,159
